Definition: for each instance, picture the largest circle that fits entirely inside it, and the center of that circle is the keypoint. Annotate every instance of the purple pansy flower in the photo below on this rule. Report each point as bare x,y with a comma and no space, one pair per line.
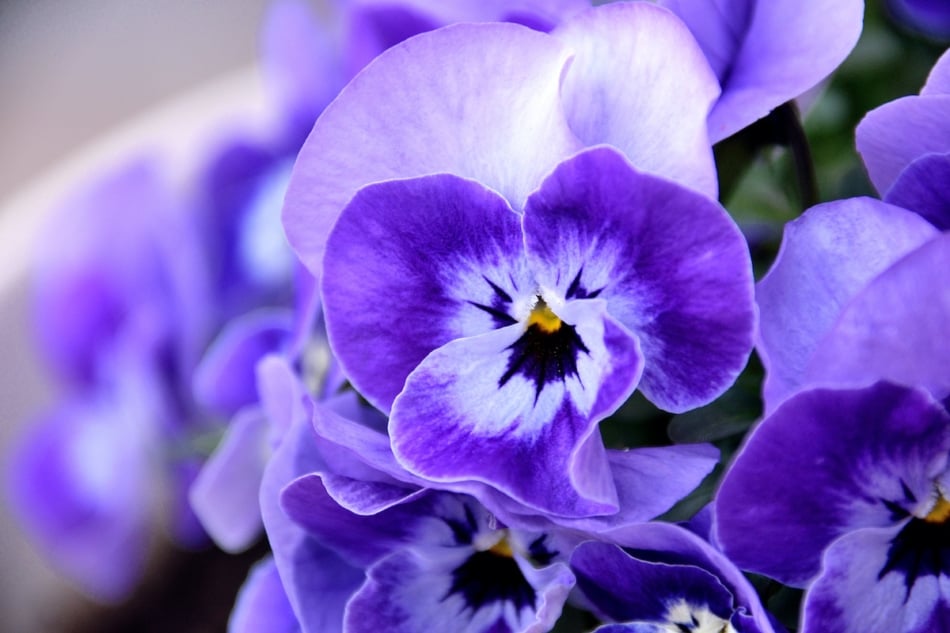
508,336
543,308
659,577
407,559
845,492
767,52
905,145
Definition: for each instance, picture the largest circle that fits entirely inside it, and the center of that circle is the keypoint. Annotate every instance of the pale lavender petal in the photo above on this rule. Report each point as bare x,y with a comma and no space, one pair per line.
639,82
892,136
283,398
824,463
225,494
522,427
896,328
922,187
938,82
262,604
672,266
225,380
852,596
826,257
412,265
766,52
480,101
650,480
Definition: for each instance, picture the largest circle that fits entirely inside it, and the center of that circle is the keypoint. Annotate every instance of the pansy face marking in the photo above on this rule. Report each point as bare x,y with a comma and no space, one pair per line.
519,331
546,352
922,546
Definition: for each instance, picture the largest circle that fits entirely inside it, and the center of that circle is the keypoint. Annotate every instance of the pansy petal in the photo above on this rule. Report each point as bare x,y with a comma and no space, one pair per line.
826,462
639,82
671,264
413,592
921,187
317,581
262,605
225,380
650,480
826,257
854,594
358,538
412,265
224,495
496,409
766,53
478,100
896,328
938,82
890,137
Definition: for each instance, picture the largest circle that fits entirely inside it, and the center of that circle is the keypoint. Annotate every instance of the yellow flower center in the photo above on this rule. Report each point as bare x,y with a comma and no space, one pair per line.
940,513
543,317
502,548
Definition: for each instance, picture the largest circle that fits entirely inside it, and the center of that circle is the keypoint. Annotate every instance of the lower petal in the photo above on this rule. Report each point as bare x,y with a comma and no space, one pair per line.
466,415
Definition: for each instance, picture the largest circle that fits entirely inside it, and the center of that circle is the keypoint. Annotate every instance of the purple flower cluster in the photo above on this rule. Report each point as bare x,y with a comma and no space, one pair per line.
503,227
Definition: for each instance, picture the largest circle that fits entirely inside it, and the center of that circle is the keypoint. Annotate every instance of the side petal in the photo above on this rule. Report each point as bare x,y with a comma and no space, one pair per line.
478,100
672,265
826,257
824,463
224,495
639,82
894,329
412,265
890,137
465,415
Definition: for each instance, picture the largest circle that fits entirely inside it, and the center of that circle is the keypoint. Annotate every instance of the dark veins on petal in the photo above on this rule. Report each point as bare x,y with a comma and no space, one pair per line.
487,577
544,356
498,310
577,291
921,548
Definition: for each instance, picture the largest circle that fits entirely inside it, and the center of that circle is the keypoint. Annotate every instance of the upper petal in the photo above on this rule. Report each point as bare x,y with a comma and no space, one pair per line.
477,100
671,264
767,52
922,188
890,137
639,82
896,328
826,257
